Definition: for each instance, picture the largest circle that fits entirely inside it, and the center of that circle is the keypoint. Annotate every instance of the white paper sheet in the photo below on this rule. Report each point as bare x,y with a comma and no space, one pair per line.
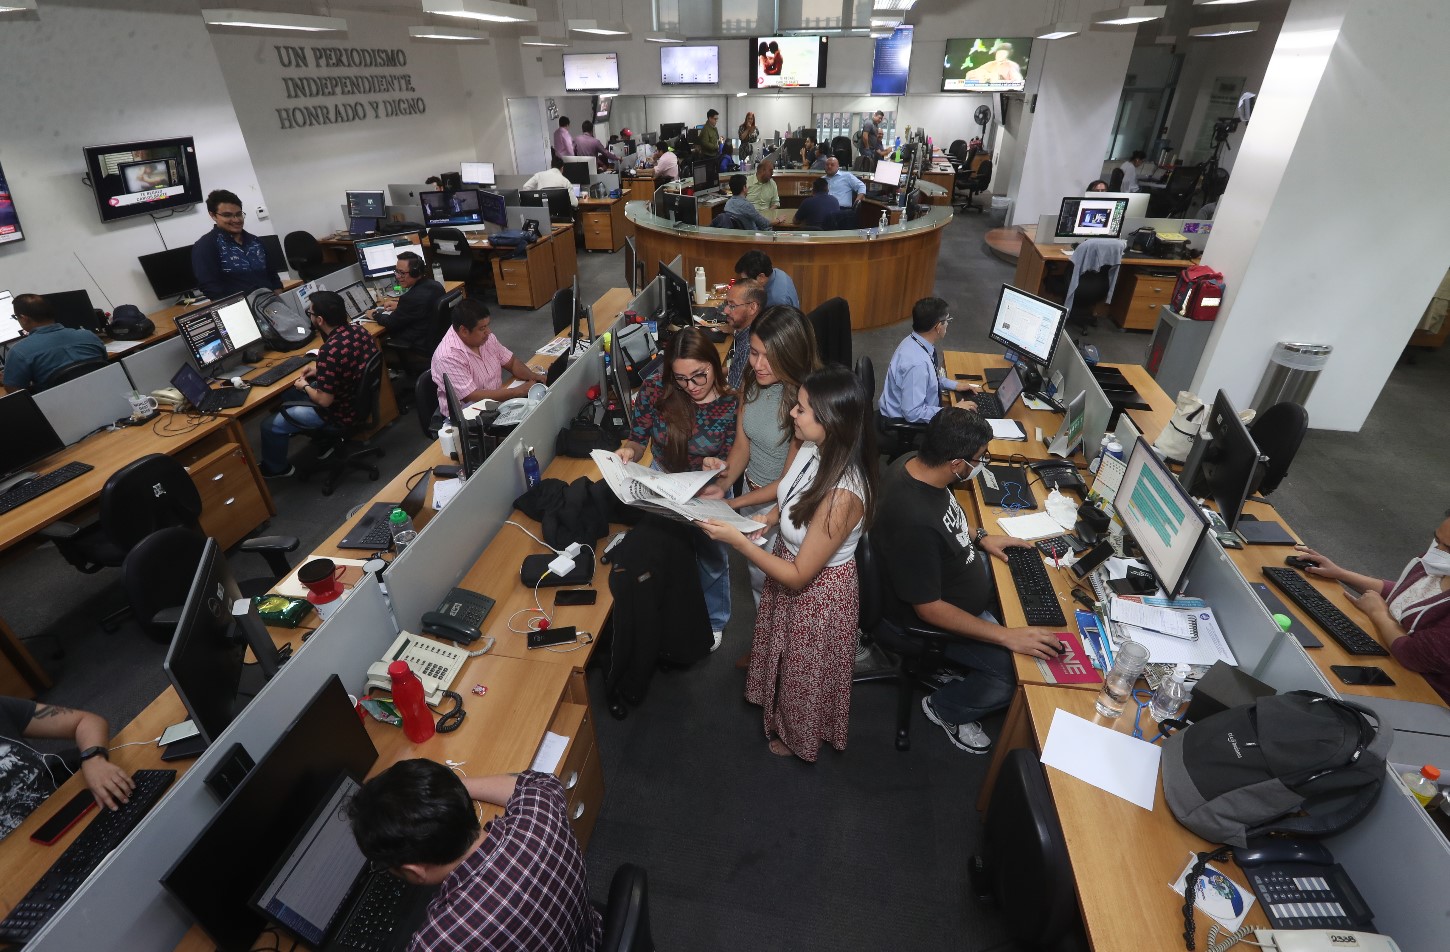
1007,430
444,490
1165,649
1038,525
551,751
121,346
1109,760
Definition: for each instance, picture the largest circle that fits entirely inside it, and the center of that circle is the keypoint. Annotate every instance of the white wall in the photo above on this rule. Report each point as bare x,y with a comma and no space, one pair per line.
1205,60
96,76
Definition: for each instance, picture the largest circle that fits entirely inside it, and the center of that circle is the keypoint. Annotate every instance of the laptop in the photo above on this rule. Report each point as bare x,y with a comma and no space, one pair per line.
323,891
357,300
996,406
372,532
206,400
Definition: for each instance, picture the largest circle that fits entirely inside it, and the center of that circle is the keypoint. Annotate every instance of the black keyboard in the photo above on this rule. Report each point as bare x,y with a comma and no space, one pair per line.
379,911
67,873
276,372
1335,623
41,485
372,530
988,406
1034,588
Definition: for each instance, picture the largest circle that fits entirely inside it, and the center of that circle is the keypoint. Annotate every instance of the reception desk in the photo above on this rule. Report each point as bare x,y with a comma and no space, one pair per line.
880,274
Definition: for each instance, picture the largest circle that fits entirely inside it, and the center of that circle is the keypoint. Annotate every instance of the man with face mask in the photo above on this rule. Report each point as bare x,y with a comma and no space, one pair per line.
1411,615
928,552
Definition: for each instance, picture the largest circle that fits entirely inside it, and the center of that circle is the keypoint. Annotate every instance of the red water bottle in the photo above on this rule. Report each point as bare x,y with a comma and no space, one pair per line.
408,699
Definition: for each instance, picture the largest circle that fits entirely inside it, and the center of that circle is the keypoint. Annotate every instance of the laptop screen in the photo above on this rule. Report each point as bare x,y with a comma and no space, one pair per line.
9,327
357,300
191,384
1010,389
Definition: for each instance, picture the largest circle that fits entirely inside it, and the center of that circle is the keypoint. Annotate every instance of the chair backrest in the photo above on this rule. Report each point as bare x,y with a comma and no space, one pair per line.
958,150
301,249
626,918
832,325
369,389
1278,432
454,256
68,373
866,373
1115,180
868,579
425,402
151,493
562,309
443,318
157,575
726,220
983,176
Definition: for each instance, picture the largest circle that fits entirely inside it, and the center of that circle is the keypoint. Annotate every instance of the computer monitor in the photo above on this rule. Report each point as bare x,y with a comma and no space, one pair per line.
29,437
220,872
1137,201
9,327
1027,324
633,266
477,173
451,209
368,204
356,299
74,309
887,173
555,199
470,434
675,206
493,208
1225,463
1080,218
677,298
671,130
169,272
206,659
791,150
1164,520
379,256
217,331
577,169
706,174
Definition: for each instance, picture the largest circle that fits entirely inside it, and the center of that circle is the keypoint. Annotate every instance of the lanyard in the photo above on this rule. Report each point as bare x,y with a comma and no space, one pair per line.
930,354
795,484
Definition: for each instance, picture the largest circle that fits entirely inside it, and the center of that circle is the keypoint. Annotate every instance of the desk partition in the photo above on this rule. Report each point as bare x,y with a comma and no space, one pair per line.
1077,377
81,406
152,368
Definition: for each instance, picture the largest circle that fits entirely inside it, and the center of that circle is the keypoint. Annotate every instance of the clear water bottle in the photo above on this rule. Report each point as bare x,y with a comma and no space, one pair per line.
401,528
1171,697
1118,685
531,469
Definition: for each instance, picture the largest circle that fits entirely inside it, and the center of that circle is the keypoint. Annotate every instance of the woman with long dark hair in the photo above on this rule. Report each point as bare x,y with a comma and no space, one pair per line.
805,631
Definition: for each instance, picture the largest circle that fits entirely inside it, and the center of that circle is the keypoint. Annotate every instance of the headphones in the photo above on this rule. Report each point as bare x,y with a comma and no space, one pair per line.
415,267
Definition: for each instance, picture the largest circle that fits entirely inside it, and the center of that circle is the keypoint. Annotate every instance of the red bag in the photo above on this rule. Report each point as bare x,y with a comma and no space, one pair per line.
1199,293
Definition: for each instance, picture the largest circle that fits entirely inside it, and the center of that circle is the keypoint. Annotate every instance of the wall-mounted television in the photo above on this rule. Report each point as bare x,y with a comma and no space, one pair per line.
602,105
985,65
9,218
591,72
788,62
690,65
891,63
139,178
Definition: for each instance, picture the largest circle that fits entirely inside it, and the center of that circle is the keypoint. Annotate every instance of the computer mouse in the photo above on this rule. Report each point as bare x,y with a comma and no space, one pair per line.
1295,561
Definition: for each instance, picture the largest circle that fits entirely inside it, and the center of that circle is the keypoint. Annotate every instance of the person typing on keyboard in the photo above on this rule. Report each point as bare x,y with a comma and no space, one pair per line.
475,360
517,883
914,379
929,555
27,776
1410,615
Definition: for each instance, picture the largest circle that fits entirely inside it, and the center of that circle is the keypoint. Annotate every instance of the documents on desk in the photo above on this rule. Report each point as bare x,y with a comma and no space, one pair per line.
444,490
1209,645
1109,760
551,751
1039,525
1007,430
670,494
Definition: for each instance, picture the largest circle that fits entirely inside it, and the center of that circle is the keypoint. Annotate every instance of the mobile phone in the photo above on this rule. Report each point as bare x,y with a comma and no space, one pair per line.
575,596
967,376
1362,675
65,818
562,635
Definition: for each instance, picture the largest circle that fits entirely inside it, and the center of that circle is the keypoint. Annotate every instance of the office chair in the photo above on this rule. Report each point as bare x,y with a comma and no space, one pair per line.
1177,193
411,361
1278,433
456,259
957,153
340,450
1092,290
1024,868
562,310
425,402
831,323
727,220
974,184
866,373
626,918
841,149
1115,180
304,255
158,572
68,373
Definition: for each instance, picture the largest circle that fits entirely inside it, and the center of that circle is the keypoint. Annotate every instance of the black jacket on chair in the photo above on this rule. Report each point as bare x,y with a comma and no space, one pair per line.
411,323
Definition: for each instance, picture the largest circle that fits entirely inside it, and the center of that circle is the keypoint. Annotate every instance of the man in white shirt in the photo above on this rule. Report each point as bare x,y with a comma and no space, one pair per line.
553,177
667,166
1130,171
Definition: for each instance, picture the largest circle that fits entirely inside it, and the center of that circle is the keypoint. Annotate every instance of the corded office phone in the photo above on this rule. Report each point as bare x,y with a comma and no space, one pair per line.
168,396
435,664
1323,940
1058,475
1302,887
459,617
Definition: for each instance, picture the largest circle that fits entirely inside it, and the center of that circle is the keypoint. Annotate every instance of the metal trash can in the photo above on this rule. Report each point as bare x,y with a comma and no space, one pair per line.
1292,372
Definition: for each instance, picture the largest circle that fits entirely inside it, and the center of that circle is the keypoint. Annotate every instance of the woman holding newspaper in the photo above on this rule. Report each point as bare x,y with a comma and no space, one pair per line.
686,415
805,631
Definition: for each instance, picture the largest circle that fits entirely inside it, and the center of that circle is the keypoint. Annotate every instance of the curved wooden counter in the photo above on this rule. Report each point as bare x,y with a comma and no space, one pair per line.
881,277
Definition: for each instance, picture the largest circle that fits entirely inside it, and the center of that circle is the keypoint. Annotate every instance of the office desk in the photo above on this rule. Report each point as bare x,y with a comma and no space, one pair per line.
165,320
603,222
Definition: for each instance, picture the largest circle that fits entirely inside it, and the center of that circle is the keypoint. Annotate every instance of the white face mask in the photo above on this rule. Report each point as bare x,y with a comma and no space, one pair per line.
977,469
1436,561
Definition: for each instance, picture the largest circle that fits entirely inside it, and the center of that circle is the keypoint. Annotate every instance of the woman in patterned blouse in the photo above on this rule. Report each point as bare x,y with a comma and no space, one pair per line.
686,413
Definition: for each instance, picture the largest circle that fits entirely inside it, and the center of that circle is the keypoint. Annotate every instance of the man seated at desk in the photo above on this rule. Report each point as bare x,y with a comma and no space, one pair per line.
928,551
517,883
762,190
27,776
754,267
740,208
475,360
1130,171
229,259
667,166
409,319
914,379
553,177
585,143
329,385
820,210
845,187
46,346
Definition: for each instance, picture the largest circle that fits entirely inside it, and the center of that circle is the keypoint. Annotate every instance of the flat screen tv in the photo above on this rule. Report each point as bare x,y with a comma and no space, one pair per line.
985,65
788,62
591,72
9,218
139,178
690,65
891,63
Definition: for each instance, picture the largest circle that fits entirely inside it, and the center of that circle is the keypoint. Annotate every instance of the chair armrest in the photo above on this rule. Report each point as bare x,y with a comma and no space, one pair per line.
60,531
904,426
270,544
167,616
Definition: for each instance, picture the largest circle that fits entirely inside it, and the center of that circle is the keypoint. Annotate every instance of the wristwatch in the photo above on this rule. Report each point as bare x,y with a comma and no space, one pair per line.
90,752
981,534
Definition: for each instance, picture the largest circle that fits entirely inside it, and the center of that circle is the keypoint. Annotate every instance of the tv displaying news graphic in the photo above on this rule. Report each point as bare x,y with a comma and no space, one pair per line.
981,65
892,63
788,62
9,218
139,178
689,65
591,72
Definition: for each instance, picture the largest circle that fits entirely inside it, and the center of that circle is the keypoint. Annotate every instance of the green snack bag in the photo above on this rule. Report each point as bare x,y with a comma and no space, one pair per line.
280,610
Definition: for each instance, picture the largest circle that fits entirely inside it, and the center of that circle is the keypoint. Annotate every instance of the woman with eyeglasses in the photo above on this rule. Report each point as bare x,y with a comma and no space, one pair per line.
686,415
805,631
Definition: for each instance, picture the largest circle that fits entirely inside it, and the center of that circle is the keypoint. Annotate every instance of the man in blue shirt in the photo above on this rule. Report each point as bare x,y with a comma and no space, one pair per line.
46,346
820,210
914,379
754,268
844,187
741,208
228,259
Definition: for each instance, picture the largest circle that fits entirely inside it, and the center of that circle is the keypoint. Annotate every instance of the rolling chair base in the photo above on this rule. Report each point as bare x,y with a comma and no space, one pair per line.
345,456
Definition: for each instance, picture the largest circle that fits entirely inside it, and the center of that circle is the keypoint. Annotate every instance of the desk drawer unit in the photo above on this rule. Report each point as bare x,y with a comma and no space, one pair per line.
579,771
523,282
599,230
231,503
1138,296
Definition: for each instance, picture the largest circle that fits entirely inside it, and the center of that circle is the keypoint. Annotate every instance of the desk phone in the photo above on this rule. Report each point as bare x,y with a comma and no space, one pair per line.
435,664
459,617
1301,887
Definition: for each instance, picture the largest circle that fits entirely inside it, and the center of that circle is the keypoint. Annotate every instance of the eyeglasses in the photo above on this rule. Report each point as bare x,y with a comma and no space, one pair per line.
694,380
732,305
232,216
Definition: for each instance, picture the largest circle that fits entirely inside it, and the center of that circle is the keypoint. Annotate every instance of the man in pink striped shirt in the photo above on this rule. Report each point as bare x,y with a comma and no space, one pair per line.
475,360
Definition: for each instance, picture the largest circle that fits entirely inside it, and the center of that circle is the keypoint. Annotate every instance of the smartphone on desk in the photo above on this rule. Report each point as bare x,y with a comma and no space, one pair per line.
575,596
1362,675
66,817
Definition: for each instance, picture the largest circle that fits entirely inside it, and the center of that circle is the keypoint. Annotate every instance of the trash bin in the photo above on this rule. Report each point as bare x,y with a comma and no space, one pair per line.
1293,370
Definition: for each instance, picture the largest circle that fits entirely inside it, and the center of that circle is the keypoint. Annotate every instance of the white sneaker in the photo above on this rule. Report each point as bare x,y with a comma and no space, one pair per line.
718,635
969,737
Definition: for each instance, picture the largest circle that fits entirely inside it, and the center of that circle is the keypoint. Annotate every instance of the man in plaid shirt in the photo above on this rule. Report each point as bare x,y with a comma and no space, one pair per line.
516,885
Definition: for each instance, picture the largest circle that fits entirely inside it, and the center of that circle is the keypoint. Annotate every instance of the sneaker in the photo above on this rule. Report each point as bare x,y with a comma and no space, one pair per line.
718,636
289,471
968,737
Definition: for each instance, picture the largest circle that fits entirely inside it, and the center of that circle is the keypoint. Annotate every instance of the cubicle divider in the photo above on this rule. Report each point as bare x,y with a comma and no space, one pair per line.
79,407
1078,377
123,905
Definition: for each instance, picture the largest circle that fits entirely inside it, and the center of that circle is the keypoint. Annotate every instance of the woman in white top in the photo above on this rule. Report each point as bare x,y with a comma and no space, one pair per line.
805,631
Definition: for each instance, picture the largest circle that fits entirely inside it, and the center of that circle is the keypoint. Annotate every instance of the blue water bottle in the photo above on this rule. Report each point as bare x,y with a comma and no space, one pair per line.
531,469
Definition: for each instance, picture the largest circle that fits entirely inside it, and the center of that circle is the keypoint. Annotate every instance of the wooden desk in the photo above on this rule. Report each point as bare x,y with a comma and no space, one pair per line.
530,281
603,221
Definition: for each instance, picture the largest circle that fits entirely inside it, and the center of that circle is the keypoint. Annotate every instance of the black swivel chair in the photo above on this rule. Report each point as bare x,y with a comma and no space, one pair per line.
832,325
866,373
339,450
974,184
626,918
841,149
562,309
1278,433
1115,180
304,255
425,402
411,360
68,373
455,257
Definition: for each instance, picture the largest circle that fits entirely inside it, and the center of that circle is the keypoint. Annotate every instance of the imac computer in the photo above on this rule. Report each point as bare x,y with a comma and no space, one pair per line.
478,173
169,272
1225,464
29,438
1082,218
556,200
217,333
455,209
1161,517
365,210
1137,201
10,328
677,299
471,448
379,256
887,174
1028,326
493,208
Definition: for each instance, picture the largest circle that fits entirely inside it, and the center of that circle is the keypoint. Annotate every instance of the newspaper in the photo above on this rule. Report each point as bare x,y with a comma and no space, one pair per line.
670,494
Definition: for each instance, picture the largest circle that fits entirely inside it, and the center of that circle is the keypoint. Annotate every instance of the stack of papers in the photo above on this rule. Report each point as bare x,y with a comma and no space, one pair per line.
1007,430
669,494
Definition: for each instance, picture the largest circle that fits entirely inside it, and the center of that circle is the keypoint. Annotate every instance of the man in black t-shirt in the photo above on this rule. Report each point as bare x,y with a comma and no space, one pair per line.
929,552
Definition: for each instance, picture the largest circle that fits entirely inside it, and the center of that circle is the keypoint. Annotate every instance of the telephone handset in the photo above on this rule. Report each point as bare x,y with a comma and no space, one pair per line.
1301,887
168,396
1058,475
435,664
459,617
1323,940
